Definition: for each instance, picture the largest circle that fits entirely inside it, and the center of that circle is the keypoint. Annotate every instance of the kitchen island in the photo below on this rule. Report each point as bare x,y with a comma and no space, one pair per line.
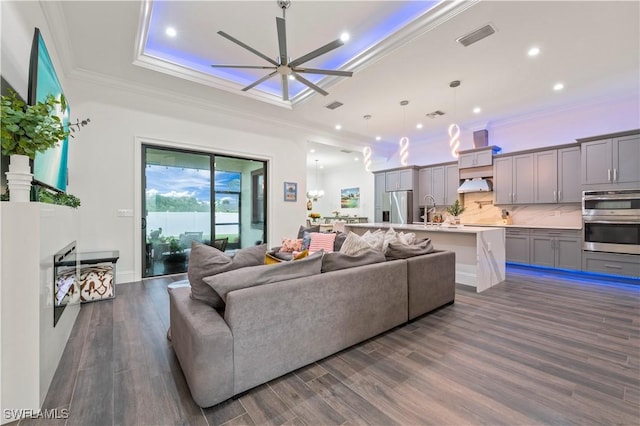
480,251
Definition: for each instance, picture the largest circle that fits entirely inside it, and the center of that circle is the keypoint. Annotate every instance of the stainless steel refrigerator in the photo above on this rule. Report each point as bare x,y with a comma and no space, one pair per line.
397,207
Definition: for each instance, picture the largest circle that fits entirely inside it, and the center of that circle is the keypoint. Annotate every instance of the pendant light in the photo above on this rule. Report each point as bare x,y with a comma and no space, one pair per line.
314,194
454,129
404,141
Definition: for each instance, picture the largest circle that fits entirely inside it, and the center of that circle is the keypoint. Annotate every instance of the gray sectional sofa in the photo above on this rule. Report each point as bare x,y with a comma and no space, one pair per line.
269,330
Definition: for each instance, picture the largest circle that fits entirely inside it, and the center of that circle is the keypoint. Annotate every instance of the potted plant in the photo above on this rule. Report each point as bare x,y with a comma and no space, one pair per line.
24,131
175,260
455,210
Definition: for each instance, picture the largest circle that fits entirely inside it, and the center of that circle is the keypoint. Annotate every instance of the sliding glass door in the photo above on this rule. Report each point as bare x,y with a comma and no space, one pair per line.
194,196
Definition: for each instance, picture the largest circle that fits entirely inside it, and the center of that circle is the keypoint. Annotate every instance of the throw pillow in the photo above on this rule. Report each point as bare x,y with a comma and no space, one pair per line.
404,251
354,245
270,259
321,241
301,255
337,261
340,237
302,230
205,261
291,245
375,239
306,240
252,276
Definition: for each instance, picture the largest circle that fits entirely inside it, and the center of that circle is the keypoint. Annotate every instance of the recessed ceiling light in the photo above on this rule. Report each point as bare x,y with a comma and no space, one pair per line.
171,32
322,167
344,37
419,126
534,51
378,138
356,159
477,110
558,87
312,150
338,126
292,77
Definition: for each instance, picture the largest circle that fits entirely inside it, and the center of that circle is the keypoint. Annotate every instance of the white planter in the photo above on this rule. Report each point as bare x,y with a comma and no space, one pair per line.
19,178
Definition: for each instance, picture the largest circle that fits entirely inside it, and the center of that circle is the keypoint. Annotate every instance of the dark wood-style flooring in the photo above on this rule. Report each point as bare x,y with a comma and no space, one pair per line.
540,348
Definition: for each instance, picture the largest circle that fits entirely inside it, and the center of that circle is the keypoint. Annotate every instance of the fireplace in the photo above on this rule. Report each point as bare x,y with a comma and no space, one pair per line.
65,280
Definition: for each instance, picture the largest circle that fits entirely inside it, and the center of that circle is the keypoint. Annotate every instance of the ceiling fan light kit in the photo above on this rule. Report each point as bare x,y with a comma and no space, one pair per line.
283,66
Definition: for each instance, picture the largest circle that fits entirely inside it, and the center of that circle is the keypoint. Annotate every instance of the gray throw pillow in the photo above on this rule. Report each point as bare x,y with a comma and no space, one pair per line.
264,274
340,237
336,261
310,229
404,251
205,261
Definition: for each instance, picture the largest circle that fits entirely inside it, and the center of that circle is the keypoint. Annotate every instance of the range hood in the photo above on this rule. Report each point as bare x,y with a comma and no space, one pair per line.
475,185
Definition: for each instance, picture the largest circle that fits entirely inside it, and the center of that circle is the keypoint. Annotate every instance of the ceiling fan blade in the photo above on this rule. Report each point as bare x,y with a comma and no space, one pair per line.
250,49
327,72
282,40
285,88
258,67
314,54
255,83
309,84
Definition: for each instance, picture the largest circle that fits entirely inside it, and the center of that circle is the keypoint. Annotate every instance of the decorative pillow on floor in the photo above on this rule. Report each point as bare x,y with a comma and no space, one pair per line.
252,276
354,245
302,230
321,241
337,261
404,251
205,261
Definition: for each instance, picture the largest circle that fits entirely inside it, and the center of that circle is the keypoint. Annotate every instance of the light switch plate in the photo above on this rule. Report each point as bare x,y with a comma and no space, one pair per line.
125,213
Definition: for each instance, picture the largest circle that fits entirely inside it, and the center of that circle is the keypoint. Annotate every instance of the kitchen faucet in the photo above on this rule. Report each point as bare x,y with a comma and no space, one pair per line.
430,210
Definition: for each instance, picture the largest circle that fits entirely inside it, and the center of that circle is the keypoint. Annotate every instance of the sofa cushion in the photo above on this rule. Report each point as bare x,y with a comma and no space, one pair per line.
354,245
340,237
375,238
291,244
251,276
322,241
337,261
398,250
205,261
302,229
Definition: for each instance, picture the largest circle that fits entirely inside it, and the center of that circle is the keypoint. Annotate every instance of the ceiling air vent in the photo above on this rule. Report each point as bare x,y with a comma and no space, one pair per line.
435,114
334,105
476,35
346,151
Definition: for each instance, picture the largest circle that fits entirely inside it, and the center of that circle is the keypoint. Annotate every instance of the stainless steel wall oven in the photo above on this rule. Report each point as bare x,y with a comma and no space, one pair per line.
611,221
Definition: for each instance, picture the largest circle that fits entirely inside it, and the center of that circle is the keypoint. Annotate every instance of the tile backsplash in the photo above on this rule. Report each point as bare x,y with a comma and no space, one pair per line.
479,209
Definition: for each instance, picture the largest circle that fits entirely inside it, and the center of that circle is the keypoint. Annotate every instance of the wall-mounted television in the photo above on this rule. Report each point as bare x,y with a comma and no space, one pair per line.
49,167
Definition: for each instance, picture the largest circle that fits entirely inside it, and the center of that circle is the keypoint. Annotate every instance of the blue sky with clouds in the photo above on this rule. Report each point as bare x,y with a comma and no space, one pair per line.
184,182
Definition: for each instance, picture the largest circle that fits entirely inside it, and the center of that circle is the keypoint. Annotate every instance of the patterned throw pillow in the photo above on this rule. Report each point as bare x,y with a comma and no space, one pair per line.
375,239
290,245
306,240
321,241
354,245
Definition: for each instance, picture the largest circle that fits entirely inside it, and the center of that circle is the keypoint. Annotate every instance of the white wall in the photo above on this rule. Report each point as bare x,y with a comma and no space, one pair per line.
335,179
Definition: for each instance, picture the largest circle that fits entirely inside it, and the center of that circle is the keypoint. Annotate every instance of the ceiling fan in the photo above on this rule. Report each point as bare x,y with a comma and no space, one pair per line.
283,65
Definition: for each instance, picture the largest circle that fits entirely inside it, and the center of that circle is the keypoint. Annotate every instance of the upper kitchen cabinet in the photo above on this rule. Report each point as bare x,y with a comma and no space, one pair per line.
441,182
611,161
400,180
513,179
555,177
477,157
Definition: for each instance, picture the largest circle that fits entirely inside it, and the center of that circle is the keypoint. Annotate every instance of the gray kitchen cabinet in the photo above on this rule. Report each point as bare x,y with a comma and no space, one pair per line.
441,182
556,177
513,179
569,186
545,172
476,158
611,263
424,183
399,180
379,191
556,248
611,163
517,245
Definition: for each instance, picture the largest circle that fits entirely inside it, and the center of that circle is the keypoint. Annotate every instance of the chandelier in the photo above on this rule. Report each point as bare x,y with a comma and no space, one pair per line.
314,194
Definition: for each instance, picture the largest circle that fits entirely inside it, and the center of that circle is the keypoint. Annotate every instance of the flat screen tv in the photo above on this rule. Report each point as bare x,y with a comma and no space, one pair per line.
49,167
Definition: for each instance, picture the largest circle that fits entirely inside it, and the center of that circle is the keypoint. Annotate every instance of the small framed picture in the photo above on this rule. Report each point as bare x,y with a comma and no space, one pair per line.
290,191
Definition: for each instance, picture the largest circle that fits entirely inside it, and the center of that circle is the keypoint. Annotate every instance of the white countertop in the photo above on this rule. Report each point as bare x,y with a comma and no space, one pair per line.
460,229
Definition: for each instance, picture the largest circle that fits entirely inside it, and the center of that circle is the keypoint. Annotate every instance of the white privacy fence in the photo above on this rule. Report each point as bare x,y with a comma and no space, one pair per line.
175,223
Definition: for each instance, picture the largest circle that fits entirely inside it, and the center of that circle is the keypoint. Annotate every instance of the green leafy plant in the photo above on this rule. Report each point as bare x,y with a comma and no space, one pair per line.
27,129
59,198
175,246
456,209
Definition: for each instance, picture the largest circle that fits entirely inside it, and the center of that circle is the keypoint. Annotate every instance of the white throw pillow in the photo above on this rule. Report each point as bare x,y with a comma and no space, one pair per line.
354,245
